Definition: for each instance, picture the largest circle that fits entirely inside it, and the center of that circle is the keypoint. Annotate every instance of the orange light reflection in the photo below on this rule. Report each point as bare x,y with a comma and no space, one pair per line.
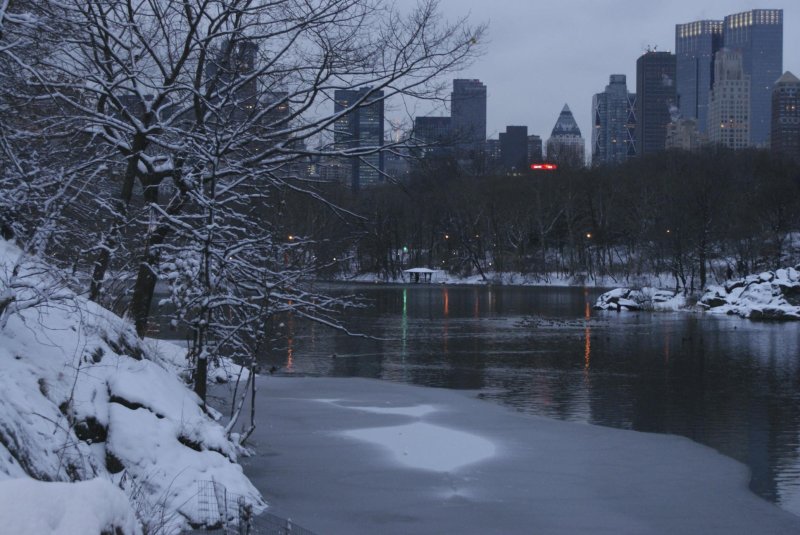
587,348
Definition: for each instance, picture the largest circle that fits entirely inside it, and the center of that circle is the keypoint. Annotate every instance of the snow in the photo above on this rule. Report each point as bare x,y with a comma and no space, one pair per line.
428,447
422,445
339,465
84,398
621,299
772,295
87,508
416,411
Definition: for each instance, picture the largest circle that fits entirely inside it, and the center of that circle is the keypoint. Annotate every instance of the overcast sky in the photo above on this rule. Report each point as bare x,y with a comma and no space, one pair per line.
543,54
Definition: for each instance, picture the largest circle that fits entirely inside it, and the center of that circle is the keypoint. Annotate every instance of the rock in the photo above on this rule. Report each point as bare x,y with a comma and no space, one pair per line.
773,314
90,430
620,299
768,296
732,285
713,302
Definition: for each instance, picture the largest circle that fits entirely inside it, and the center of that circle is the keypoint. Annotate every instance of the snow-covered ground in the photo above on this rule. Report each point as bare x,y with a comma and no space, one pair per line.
343,456
84,398
87,507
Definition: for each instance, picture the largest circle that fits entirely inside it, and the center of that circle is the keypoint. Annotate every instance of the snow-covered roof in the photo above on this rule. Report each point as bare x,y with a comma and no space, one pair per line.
420,270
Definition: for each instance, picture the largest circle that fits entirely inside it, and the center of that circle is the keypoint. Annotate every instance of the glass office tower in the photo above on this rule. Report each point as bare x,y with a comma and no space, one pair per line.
360,128
614,128
758,36
695,46
656,100
468,112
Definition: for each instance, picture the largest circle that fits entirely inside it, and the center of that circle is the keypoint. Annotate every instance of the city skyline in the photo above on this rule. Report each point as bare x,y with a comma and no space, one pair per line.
533,66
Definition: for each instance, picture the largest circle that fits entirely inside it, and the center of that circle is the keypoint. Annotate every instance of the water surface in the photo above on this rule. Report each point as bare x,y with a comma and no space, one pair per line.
725,382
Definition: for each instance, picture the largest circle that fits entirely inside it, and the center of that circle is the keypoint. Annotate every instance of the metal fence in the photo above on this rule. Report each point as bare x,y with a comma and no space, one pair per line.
226,513
269,524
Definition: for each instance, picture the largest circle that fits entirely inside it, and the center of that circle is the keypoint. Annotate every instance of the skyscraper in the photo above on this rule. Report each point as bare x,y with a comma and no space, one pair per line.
758,35
468,112
566,146
491,154
695,46
729,110
229,69
277,113
656,100
535,153
514,148
360,129
785,137
433,135
613,135
683,134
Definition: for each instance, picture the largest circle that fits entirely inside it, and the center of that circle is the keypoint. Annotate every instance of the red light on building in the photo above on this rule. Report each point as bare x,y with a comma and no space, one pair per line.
544,166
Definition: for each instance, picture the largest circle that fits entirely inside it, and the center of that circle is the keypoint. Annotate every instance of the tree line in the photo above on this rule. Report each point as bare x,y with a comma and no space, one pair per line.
697,217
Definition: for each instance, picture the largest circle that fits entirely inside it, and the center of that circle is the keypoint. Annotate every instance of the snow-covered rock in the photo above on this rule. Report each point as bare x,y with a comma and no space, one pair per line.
772,295
621,299
91,507
83,397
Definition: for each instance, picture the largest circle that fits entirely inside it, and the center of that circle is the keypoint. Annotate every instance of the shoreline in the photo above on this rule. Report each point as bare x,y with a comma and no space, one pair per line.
345,455
551,280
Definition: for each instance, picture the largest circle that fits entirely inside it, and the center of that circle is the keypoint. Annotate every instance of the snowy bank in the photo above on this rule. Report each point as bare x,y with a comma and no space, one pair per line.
772,295
84,398
343,456
621,299
87,507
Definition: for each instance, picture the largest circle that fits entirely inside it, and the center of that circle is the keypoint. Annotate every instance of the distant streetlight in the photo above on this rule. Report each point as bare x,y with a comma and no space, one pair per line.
588,235
447,236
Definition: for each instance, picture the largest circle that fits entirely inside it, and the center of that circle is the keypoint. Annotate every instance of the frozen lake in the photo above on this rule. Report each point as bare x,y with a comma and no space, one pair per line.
727,383
352,456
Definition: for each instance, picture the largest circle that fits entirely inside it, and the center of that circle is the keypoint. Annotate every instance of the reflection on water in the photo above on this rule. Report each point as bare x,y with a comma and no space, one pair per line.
587,333
404,325
725,382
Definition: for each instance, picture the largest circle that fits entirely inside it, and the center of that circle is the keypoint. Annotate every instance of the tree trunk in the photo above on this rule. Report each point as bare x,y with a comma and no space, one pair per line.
201,377
143,292
110,239
146,278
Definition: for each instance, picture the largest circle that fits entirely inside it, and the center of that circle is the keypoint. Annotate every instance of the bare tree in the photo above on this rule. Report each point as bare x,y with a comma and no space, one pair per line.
46,166
200,112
